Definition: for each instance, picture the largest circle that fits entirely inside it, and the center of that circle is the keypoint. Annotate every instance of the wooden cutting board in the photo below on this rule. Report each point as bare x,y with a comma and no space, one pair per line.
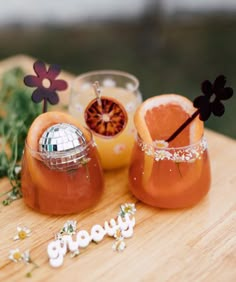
197,244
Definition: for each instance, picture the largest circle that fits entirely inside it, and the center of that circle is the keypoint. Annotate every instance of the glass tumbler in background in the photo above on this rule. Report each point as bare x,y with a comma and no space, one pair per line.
170,177
115,151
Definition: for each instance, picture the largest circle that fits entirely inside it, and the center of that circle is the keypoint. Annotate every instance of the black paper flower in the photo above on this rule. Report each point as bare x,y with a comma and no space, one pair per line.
46,83
214,93
208,103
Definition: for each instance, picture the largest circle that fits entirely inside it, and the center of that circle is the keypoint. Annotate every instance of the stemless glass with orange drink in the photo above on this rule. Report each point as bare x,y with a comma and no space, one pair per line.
61,170
165,172
170,165
111,121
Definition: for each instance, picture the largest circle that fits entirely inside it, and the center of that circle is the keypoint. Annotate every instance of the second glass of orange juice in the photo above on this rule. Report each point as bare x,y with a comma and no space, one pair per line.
115,150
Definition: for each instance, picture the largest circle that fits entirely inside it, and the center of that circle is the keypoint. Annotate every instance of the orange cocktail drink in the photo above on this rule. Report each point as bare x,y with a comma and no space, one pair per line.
114,144
60,182
173,174
178,177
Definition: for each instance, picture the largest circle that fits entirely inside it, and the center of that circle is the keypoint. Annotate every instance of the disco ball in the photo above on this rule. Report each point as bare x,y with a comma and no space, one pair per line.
63,147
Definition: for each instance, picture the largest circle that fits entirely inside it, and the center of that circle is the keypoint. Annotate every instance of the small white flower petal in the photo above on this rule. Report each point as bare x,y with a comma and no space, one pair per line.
119,246
128,208
16,238
22,233
15,255
161,144
118,234
75,253
26,256
69,227
28,231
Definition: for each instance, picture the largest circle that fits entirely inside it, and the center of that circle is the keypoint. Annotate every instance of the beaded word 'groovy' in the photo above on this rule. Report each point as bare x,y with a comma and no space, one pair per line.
120,228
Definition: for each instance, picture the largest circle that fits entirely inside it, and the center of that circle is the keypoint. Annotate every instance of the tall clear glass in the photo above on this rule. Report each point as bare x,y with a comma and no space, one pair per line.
170,177
114,151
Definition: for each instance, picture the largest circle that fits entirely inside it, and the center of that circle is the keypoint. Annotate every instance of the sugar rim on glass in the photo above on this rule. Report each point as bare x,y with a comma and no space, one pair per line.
188,153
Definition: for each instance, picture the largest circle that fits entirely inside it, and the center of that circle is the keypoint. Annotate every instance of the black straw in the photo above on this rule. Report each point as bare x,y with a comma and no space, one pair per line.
182,127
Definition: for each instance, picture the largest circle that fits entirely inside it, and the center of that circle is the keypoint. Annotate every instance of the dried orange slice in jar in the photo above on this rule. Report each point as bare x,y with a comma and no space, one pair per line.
105,116
158,117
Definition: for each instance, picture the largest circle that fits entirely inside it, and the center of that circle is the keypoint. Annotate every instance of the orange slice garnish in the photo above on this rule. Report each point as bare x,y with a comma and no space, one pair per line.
158,117
106,117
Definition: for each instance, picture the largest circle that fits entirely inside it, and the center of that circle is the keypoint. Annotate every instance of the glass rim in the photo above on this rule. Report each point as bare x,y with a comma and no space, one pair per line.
155,142
89,143
111,72
187,153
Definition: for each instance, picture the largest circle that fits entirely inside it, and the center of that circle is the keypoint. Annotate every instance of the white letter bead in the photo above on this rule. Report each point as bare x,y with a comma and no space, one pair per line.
62,247
72,245
53,249
97,233
128,232
57,261
56,253
83,238
123,224
109,228
131,221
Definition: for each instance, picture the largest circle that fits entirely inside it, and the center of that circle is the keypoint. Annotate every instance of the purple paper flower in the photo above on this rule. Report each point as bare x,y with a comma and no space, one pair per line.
46,83
210,102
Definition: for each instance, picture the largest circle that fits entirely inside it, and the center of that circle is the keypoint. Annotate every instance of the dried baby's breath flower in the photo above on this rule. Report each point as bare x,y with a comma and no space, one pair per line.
162,154
160,144
118,234
85,161
15,255
128,208
22,233
27,259
69,227
75,254
58,236
119,245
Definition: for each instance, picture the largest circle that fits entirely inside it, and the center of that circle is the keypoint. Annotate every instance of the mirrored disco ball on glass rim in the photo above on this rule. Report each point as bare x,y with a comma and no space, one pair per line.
63,147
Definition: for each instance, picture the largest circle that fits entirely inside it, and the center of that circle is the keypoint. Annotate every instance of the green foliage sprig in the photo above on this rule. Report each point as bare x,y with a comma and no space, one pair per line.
17,112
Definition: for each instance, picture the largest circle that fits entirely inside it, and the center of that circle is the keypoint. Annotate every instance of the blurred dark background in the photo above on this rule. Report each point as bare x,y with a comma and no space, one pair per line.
171,48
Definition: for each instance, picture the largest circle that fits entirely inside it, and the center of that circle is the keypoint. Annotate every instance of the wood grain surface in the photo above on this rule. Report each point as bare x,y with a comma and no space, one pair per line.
196,244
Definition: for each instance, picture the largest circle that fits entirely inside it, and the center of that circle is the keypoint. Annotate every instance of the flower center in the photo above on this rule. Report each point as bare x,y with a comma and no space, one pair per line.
46,83
118,233
17,256
22,234
127,209
212,98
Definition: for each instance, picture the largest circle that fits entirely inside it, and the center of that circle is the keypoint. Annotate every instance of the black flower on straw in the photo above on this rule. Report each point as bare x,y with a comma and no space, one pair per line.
46,83
210,102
